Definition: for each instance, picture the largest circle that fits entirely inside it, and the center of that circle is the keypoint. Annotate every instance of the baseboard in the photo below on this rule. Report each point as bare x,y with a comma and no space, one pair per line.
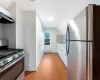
30,69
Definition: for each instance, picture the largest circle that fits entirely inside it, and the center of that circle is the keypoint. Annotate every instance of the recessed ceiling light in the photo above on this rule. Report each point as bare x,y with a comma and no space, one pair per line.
50,19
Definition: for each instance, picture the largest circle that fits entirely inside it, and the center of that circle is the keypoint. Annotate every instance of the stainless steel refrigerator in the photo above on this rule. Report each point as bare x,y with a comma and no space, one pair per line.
79,44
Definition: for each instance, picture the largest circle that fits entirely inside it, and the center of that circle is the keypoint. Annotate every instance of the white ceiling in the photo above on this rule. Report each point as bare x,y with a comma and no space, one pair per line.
25,4
5,3
61,10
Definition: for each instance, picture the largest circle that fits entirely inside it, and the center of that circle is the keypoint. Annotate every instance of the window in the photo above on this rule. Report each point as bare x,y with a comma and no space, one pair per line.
47,38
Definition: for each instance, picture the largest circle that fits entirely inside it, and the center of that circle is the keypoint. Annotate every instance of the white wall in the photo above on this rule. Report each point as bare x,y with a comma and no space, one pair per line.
25,4
5,3
10,29
29,23
39,41
19,28
14,32
52,47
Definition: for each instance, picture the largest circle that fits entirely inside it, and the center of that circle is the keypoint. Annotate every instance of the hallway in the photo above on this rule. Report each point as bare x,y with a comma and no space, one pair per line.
51,67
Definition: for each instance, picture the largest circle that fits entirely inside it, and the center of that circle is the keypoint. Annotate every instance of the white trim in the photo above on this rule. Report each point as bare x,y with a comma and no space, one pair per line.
30,69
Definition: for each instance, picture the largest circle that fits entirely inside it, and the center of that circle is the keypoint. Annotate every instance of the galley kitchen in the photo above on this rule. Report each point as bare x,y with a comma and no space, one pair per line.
11,56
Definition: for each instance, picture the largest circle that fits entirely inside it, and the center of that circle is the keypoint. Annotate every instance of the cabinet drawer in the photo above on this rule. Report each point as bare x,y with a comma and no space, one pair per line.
21,77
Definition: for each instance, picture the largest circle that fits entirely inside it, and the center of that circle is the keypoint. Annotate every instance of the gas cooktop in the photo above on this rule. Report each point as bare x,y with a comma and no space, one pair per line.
8,56
7,52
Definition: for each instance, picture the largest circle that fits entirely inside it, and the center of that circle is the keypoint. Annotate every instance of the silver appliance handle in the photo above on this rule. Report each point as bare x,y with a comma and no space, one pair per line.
67,40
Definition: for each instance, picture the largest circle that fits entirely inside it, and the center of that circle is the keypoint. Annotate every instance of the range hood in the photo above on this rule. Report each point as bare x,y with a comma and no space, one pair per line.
5,16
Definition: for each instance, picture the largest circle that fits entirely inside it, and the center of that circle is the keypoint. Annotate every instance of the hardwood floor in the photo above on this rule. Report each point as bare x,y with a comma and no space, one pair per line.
29,74
51,67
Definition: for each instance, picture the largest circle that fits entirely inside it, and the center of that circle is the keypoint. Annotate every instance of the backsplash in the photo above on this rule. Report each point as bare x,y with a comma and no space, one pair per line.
61,39
1,31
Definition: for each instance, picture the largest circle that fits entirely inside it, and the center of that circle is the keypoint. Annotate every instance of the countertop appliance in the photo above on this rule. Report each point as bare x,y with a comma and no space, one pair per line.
83,45
5,16
8,56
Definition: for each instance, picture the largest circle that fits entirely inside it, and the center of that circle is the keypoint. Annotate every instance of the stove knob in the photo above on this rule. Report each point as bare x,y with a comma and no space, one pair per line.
5,62
22,53
18,55
14,57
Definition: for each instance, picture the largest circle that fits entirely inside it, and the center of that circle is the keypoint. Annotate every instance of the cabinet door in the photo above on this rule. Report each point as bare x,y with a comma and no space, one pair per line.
62,53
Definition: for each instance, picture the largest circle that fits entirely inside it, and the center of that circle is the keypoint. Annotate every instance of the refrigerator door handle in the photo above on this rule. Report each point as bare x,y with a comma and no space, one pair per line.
67,50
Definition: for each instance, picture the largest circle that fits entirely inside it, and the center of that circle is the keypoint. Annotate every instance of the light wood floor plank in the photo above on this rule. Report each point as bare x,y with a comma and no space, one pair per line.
51,67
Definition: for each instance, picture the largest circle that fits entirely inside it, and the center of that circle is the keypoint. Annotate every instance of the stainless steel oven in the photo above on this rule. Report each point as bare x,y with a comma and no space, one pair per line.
15,72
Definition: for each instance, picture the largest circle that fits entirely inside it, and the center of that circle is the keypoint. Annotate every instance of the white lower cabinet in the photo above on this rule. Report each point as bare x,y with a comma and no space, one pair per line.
61,49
